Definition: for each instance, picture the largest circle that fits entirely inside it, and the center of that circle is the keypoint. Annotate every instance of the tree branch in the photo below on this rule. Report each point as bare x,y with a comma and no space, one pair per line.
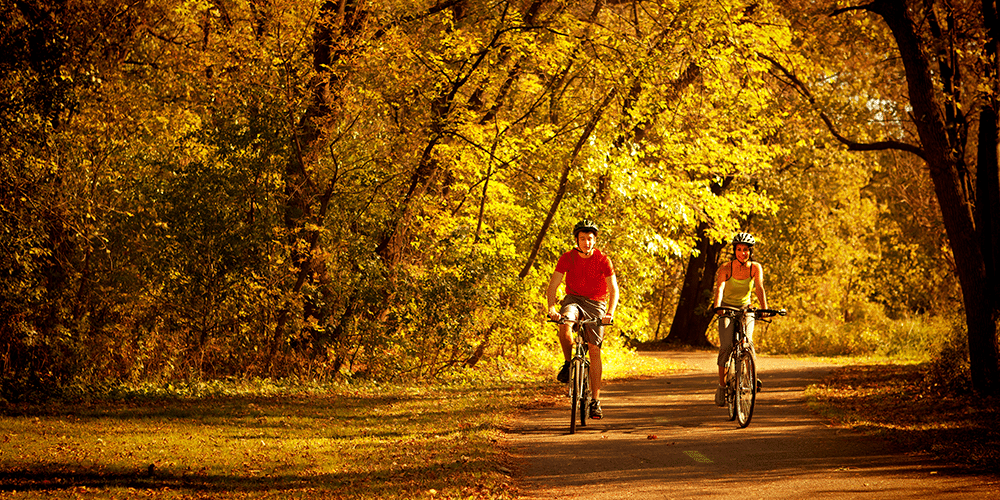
564,180
867,6
851,144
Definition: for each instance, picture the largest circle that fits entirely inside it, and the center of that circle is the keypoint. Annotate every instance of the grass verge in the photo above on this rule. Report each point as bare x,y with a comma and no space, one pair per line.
368,442
908,404
348,441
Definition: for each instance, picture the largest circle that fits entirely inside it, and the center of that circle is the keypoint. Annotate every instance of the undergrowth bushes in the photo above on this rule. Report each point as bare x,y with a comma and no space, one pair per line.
912,337
540,357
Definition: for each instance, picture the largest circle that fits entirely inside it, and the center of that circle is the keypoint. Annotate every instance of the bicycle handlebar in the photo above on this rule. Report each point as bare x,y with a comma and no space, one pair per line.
759,313
771,312
563,321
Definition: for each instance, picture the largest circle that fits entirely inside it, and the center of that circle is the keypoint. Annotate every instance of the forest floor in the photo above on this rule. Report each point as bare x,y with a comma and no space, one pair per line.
911,405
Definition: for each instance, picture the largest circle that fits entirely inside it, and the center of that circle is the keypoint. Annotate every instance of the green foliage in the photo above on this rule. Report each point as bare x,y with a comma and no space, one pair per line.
856,244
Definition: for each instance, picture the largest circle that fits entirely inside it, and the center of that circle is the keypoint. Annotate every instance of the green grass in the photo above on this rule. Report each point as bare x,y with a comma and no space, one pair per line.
348,441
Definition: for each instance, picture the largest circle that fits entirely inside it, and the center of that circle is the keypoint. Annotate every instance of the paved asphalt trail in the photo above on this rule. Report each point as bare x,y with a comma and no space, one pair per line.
665,438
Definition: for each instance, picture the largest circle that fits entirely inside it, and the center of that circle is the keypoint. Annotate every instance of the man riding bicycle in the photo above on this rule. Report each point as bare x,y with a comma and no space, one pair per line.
733,284
591,293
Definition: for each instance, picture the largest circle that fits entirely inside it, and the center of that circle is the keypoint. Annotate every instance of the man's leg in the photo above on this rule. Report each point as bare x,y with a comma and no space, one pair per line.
567,347
566,341
596,369
570,312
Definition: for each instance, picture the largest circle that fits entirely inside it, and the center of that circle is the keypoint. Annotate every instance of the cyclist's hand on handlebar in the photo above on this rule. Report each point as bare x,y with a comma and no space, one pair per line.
554,314
607,319
769,313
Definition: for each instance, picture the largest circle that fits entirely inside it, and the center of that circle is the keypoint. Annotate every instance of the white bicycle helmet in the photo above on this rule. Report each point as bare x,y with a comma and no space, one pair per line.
744,238
585,225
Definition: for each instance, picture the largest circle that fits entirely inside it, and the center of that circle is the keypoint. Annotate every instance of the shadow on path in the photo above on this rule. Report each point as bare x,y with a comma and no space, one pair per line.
664,438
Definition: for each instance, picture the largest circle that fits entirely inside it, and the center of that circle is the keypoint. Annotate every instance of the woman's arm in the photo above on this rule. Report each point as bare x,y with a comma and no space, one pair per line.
720,285
758,286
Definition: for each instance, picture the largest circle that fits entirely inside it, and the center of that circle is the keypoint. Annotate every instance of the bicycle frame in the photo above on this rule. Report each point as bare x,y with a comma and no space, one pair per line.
741,368
579,379
579,373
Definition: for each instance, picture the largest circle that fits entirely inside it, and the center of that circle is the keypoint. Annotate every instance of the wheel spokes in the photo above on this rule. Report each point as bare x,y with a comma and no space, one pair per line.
746,389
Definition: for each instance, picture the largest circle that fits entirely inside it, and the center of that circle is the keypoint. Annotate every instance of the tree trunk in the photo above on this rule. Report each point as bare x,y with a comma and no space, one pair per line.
987,165
693,315
957,210
307,201
988,200
394,241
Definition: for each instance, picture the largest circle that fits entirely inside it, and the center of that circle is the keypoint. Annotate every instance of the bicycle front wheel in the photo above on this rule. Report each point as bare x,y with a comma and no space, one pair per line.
585,395
576,391
746,388
731,386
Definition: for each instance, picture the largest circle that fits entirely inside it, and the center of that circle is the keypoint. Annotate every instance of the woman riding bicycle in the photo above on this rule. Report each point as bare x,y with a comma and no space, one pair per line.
591,293
733,284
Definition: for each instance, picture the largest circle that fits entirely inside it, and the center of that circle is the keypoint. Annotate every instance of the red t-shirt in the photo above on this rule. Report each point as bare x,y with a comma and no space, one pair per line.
586,277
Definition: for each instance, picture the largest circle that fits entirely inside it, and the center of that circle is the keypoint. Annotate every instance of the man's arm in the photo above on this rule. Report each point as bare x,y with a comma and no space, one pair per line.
612,283
552,294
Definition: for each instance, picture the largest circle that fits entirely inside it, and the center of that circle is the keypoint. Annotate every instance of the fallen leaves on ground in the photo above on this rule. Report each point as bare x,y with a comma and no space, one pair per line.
908,405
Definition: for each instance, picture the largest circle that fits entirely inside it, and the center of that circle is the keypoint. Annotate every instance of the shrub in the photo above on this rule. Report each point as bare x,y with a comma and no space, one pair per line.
869,333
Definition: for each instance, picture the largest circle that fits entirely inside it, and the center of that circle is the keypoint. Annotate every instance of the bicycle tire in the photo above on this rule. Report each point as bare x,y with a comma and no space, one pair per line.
576,386
746,387
585,395
731,387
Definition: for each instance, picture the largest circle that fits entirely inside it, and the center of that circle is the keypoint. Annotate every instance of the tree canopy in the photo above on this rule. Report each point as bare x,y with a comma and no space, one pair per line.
201,189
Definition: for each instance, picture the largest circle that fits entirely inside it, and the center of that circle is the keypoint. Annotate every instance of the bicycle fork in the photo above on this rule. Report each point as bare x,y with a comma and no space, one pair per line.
579,369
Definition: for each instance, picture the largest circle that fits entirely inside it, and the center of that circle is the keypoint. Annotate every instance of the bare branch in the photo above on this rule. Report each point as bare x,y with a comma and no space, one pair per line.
867,6
851,144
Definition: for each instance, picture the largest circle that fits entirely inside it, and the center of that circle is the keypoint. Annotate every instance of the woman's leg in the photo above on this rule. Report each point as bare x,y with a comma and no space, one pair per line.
725,346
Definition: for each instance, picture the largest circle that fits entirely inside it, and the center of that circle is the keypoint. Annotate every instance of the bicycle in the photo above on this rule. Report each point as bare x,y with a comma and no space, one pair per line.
579,372
742,385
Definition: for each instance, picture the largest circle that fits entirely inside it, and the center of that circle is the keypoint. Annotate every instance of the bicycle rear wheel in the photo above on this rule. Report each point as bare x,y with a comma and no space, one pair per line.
746,388
576,391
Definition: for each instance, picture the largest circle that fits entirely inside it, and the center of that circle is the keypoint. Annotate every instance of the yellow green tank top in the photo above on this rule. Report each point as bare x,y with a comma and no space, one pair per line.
737,292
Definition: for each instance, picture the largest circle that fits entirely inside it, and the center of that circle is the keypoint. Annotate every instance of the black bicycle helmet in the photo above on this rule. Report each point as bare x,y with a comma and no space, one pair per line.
744,238
586,225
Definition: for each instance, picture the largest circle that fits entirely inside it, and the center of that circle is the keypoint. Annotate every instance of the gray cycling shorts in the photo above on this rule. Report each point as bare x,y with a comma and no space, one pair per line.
726,325
575,307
